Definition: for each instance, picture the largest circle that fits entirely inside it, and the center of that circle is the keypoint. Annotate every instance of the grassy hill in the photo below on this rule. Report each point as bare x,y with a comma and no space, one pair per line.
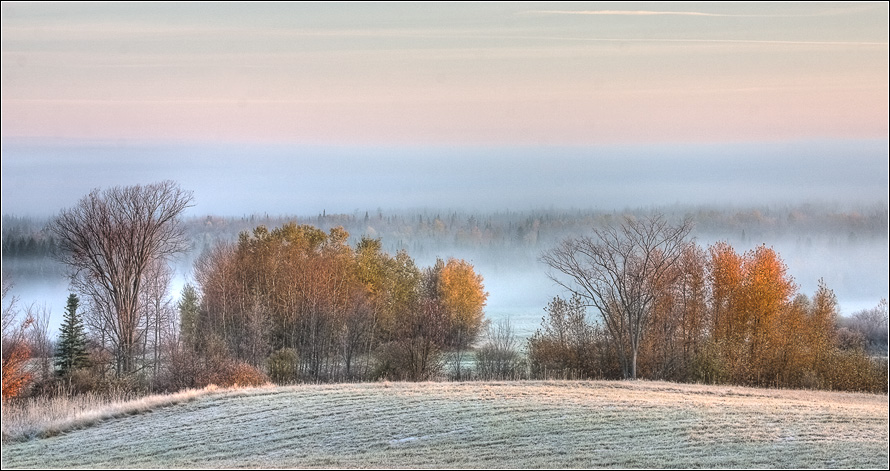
470,425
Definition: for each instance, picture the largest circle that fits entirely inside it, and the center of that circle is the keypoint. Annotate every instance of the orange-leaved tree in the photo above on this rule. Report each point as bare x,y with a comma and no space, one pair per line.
768,291
16,350
751,295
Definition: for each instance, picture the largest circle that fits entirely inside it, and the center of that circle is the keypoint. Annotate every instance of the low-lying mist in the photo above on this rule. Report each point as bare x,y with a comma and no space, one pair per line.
821,204
848,248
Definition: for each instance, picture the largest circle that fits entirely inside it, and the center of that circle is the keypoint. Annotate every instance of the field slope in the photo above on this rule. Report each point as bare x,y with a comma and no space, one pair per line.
472,425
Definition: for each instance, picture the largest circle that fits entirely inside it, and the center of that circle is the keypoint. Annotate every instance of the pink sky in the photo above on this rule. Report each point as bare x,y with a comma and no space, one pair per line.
368,74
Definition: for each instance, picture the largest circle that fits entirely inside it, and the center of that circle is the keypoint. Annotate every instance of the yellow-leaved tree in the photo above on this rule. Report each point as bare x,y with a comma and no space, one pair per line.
463,297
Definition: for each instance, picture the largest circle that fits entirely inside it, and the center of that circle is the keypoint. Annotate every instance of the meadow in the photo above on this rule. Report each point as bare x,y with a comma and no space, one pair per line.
524,424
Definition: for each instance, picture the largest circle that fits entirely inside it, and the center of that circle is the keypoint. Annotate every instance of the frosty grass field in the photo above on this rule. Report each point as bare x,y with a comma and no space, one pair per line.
497,424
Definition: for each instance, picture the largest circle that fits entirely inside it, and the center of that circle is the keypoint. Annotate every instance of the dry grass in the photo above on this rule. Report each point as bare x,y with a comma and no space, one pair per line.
483,425
43,417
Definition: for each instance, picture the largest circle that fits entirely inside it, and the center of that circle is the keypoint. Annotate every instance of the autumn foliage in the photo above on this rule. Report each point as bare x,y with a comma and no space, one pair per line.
16,350
310,307
15,374
724,317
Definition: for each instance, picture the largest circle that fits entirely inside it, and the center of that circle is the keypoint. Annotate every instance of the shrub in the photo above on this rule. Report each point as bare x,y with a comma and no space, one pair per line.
407,360
569,346
498,358
851,370
210,363
708,366
16,378
283,366
240,374
497,363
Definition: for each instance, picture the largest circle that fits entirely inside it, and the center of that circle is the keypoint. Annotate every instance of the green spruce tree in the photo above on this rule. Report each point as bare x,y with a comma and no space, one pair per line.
71,352
189,306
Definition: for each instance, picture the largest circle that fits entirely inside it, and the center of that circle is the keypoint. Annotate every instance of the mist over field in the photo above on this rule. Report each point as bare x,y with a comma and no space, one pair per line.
507,187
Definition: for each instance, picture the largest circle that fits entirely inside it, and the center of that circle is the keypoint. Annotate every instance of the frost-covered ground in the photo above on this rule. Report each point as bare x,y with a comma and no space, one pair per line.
491,425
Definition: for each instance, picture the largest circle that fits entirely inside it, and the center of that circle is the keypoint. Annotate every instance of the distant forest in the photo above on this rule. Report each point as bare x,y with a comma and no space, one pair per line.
497,238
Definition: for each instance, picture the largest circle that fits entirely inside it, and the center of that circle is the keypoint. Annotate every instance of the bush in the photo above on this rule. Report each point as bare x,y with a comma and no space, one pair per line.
847,370
283,366
190,375
196,366
96,378
568,346
493,363
239,374
407,360
498,358
81,381
708,366
811,380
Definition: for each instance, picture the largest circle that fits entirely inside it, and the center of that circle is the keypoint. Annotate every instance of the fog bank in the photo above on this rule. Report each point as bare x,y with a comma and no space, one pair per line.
42,177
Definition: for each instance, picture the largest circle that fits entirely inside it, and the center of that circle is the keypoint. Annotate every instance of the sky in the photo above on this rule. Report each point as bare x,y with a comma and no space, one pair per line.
305,107
419,74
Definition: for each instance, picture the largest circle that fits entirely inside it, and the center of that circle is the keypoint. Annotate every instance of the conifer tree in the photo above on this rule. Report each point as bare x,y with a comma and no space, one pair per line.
71,352
189,306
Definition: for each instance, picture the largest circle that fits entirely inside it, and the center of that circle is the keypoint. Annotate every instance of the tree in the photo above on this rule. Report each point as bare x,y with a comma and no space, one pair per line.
872,324
157,313
39,342
498,358
618,271
678,326
189,306
822,322
293,287
109,240
71,352
462,294
16,350
753,316
567,345
424,330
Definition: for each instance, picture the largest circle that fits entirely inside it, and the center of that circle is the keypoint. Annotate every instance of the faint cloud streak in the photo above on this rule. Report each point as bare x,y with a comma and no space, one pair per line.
624,13
825,12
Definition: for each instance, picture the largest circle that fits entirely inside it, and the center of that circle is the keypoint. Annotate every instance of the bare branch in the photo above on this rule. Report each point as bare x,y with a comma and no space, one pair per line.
618,270
109,241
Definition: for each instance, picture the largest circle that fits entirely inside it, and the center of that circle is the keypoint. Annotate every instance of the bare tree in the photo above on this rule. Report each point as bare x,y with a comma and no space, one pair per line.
39,339
619,270
872,324
109,240
158,315
498,358
567,344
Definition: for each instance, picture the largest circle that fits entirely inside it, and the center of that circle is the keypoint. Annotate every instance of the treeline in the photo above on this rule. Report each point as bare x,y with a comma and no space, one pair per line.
717,316
291,304
495,237
297,304
304,305
428,233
